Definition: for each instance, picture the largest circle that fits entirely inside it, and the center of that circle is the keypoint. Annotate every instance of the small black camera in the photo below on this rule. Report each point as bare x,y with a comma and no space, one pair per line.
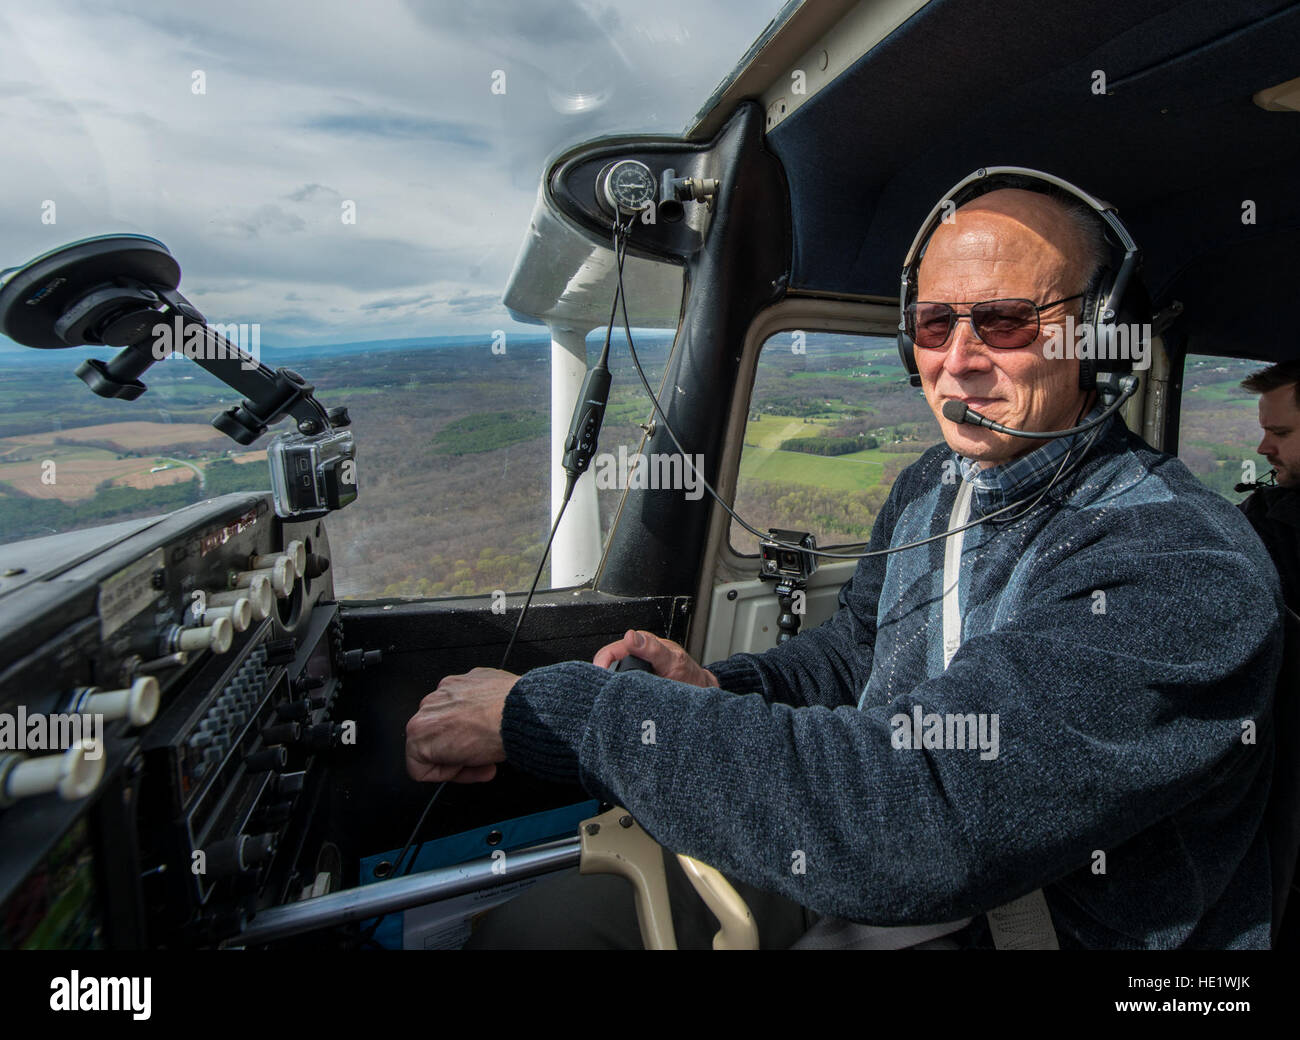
780,563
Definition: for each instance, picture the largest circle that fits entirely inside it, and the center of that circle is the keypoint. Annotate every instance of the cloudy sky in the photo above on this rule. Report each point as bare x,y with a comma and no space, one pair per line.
387,103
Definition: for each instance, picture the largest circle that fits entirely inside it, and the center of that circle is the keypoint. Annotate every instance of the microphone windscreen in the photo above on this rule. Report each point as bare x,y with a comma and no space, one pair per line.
954,411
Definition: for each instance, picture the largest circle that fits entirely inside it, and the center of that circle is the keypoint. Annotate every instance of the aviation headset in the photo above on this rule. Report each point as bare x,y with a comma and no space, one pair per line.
1114,295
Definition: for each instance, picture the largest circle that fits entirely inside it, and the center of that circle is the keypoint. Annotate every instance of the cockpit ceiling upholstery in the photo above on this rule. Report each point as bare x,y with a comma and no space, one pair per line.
1178,145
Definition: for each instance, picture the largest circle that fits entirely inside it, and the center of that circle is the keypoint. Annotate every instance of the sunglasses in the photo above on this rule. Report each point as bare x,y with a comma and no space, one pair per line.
1002,324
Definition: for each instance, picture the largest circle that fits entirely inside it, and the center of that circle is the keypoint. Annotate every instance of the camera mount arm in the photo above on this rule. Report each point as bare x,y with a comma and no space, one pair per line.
121,291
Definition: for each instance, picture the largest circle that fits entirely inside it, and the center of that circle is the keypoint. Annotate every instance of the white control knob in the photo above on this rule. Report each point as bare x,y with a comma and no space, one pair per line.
74,774
139,702
240,614
258,593
281,575
295,552
216,637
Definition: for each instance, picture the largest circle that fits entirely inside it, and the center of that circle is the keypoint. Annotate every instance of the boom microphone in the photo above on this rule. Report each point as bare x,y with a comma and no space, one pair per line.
958,412
1254,485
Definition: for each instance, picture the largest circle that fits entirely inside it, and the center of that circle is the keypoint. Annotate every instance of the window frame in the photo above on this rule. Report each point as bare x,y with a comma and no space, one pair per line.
866,316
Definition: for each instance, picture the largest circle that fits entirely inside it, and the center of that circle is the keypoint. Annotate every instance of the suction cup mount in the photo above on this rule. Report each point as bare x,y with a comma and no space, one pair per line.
116,290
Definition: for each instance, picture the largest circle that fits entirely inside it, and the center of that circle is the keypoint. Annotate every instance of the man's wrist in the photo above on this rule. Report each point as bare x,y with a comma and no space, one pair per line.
545,717
736,674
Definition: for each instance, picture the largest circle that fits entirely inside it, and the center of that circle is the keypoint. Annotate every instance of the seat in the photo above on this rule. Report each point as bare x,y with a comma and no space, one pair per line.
1282,814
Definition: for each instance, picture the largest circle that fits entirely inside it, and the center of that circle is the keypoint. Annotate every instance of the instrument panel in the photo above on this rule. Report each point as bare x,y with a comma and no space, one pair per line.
166,697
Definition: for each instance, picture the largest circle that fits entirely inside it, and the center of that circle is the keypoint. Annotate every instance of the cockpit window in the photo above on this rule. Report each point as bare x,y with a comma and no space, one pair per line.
1219,424
346,186
832,422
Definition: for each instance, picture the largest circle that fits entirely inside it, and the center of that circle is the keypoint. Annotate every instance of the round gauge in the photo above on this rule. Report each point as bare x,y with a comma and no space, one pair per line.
628,186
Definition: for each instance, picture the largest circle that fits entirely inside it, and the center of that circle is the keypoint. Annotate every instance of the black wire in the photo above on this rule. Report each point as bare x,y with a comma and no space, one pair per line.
618,292
568,491
369,934
573,477
621,295
414,831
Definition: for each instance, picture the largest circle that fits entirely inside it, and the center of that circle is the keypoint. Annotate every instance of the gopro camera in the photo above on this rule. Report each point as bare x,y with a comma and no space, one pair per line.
310,476
778,563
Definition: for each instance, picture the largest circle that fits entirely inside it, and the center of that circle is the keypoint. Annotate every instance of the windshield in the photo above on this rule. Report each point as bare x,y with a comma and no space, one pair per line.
347,186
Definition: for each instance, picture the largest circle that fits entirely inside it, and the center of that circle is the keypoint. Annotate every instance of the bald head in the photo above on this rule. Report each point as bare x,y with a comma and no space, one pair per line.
1007,244
1066,237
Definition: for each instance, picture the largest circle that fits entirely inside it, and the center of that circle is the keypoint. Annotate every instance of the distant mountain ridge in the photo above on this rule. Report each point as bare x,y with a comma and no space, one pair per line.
12,354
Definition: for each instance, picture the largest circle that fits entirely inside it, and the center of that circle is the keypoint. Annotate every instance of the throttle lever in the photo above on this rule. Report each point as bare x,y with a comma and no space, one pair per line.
631,664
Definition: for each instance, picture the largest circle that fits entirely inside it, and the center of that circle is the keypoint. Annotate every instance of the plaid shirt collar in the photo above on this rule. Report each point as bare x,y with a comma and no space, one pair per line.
1000,486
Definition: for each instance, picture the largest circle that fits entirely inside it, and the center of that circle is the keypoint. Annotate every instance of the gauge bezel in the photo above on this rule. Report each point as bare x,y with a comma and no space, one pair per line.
606,192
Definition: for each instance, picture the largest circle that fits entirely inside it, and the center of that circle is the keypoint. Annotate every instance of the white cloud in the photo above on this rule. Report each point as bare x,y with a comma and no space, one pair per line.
386,104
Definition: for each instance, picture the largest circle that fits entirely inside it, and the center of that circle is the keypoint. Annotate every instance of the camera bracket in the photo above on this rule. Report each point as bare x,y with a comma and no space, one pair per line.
120,291
790,569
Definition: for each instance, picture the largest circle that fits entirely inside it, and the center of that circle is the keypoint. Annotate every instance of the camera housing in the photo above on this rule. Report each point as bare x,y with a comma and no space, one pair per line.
312,475
779,563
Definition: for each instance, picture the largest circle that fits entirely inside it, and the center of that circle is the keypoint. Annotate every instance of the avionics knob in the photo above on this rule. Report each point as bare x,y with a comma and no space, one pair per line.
238,855
281,575
322,736
216,637
288,785
139,702
282,733
260,847
306,683
295,710
267,758
240,614
355,660
258,592
295,552
74,773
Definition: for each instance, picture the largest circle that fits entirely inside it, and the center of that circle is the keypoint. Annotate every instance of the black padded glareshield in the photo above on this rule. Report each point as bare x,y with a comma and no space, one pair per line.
1114,296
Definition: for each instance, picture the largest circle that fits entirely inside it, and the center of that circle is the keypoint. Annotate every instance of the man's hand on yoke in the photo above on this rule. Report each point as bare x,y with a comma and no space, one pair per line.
666,657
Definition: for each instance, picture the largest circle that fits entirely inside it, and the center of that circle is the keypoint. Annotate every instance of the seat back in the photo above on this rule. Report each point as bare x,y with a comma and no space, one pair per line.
1282,815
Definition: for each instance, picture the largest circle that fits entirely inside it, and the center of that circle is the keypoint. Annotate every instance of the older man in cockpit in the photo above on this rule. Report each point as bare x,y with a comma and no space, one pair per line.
1109,619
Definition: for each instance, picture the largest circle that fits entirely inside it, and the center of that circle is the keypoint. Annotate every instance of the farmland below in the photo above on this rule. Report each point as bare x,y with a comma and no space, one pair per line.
453,449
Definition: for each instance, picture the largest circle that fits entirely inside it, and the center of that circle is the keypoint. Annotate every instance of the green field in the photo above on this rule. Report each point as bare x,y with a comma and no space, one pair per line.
840,473
761,460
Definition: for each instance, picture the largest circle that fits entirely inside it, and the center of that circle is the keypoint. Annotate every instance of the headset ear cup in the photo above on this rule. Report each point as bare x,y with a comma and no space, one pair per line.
1088,313
1135,313
906,347
906,354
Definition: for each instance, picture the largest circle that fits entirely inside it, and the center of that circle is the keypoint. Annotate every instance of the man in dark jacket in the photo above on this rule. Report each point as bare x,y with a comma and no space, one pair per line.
1062,698
1275,512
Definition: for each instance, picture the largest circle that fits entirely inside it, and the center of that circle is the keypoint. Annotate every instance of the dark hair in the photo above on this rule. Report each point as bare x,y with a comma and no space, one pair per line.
1285,373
